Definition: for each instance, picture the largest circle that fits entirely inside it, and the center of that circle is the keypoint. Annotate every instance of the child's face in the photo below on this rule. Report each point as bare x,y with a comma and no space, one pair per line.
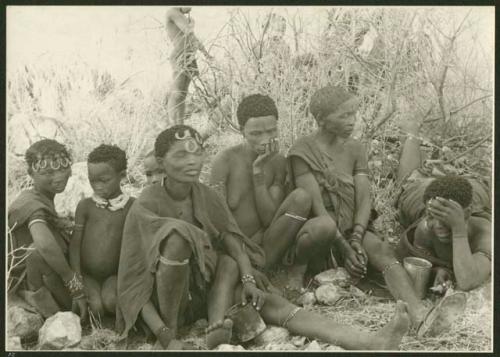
105,181
260,131
152,170
183,161
341,122
50,180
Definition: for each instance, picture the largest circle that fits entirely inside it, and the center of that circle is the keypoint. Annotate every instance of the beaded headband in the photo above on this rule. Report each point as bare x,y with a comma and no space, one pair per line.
53,162
191,142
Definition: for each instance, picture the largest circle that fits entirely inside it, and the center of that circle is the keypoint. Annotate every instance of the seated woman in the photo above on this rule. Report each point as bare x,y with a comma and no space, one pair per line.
51,285
172,262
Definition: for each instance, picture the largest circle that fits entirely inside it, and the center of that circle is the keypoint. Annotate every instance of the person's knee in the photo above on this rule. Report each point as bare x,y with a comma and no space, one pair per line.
108,294
227,269
36,267
301,202
319,229
379,252
175,247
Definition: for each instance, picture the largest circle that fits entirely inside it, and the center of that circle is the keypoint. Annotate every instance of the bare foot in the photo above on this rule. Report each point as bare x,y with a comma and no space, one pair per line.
220,334
389,337
174,345
418,315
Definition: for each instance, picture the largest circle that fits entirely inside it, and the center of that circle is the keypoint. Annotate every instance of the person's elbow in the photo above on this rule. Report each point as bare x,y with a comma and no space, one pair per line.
467,285
470,283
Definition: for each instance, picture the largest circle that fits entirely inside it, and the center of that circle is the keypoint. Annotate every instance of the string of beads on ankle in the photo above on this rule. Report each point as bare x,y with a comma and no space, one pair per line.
389,266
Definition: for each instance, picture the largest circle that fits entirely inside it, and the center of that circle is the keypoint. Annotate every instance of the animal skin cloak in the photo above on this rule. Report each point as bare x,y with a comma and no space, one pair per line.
30,205
151,219
337,188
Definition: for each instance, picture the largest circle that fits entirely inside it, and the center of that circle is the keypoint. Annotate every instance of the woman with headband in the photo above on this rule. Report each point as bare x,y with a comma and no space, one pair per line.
50,284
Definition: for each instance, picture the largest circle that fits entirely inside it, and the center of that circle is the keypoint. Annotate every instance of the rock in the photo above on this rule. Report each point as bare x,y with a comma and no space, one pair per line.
226,347
329,294
284,346
272,334
298,341
307,299
60,331
145,347
313,346
14,343
23,323
338,276
333,348
356,292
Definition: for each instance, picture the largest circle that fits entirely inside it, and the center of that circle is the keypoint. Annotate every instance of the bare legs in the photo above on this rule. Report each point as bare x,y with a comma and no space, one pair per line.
220,299
316,235
308,238
411,156
102,297
171,280
382,257
283,230
276,310
176,102
40,276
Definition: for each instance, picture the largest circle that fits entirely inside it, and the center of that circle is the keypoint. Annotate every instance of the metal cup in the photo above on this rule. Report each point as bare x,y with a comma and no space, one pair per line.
420,271
247,323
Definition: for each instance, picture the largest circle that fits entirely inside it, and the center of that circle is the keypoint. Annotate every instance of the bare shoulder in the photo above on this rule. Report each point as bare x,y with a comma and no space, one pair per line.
355,144
480,226
84,204
229,155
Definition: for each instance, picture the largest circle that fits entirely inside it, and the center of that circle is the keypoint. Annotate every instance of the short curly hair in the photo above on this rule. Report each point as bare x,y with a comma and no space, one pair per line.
166,138
44,148
110,154
254,106
456,188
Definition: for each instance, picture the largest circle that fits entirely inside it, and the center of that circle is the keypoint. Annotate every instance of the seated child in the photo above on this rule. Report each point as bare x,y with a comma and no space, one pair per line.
96,241
51,284
154,173
184,255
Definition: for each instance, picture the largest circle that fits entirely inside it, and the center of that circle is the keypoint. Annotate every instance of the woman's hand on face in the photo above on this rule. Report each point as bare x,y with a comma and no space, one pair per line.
449,212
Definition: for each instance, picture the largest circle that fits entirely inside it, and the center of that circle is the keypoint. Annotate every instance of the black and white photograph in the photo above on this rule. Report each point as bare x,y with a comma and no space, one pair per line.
249,178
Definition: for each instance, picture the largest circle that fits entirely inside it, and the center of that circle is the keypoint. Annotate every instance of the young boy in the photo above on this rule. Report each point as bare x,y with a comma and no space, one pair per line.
96,241
153,172
174,242
51,284
251,177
